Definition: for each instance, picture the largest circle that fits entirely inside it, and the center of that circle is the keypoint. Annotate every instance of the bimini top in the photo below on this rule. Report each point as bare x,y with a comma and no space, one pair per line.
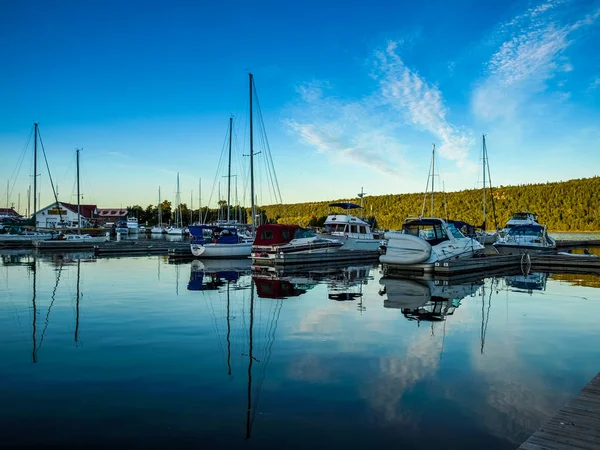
346,205
278,234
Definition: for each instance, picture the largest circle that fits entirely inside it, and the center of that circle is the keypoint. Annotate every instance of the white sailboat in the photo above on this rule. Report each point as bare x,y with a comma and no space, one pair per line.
158,229
226,241
176,229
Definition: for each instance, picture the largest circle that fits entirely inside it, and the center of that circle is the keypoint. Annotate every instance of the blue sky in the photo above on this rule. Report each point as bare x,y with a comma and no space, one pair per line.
352,94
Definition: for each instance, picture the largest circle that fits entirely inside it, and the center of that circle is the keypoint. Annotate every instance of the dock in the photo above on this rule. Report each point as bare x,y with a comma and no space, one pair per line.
528,262
575,426
318,257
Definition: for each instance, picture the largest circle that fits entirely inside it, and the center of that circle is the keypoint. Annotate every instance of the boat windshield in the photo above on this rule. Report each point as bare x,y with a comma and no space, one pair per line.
335,227
525,231
457,234
429,232
303,233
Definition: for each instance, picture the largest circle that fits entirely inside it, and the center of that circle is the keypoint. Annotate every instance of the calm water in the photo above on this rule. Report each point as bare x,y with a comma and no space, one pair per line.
146,353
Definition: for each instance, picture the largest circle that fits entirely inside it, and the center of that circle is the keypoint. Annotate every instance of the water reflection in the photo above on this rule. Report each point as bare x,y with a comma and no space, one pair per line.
249,355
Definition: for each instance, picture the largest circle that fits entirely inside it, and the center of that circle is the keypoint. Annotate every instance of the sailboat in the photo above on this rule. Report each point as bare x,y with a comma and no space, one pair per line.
158,229
176,229
427,240
73,240
211,241
29,236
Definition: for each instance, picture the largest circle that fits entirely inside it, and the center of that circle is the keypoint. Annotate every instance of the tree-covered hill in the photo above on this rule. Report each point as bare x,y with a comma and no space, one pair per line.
563,206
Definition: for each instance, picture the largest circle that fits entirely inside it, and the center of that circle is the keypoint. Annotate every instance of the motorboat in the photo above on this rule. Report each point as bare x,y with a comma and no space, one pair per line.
353,232
212,241
525,238
25,236
174,230
276,242
157,229
427,241
83,238
518,219
535,281
133,225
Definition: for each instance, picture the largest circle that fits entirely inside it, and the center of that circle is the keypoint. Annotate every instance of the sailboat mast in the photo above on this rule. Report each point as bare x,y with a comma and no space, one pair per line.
199,200
432,177
78,197
229,172
77,295
35,139
159,209
178,210
250,359
252,161
484,206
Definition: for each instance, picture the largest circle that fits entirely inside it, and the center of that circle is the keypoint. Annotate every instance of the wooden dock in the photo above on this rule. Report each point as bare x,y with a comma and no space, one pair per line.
575,426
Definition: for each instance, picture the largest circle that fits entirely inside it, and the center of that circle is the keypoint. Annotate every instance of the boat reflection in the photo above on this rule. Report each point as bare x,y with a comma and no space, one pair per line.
344,283
535,281
425,300
211,275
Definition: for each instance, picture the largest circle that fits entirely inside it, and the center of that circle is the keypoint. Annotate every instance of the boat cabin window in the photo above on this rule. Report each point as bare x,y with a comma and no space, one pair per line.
363,229
302,233
336,227
525,231
353,229
457,234
266,235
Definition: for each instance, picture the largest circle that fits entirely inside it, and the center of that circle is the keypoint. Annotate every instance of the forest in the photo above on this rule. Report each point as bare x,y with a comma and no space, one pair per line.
562,206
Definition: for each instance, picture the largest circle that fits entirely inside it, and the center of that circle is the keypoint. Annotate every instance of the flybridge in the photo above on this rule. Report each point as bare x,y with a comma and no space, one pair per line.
345,205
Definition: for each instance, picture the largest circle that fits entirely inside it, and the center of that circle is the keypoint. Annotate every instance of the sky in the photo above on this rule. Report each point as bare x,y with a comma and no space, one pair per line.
352,95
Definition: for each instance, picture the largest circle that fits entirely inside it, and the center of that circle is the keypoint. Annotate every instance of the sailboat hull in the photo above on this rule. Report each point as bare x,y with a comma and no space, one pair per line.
241,250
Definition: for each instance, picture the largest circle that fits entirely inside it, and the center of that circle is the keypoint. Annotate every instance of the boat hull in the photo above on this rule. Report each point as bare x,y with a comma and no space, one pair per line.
508,249
241,250
405,249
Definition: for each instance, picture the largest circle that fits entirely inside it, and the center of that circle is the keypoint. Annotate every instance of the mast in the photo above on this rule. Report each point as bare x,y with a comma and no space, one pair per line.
178,210
432,177
229,172
78,198
34,306
159,209
483,152
35,133
252,211
228,332
199,200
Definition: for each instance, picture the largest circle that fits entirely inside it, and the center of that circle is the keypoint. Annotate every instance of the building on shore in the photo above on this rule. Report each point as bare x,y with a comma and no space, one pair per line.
9,213
110,215
64,215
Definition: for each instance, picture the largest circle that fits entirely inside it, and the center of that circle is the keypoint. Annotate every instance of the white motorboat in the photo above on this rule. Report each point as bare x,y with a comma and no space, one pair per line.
518,219
133,225
525,238
156,229
174,230
25,236
353,232
427,241
84,238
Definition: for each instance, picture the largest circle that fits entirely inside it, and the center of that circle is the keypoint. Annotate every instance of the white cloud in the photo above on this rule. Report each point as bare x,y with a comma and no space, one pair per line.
595,84
366,130
532,53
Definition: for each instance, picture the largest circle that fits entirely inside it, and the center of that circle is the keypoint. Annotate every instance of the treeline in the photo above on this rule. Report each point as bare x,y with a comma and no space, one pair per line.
564,206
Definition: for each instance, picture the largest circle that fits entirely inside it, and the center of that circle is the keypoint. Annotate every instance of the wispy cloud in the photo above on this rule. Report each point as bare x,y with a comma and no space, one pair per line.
532,51
420,103
595,84
361,130
119,155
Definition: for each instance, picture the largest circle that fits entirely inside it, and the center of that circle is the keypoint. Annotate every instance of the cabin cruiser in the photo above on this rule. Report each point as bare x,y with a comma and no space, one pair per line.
277,242
132,225
427,241
519,218
83,238
212,241
523,238
354,233
25,236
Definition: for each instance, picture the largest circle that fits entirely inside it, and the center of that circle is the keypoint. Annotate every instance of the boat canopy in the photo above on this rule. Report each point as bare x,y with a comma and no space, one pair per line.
524,216
272,234
430,230
346,205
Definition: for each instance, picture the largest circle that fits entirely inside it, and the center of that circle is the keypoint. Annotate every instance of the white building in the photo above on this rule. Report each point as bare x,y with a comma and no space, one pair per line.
64,215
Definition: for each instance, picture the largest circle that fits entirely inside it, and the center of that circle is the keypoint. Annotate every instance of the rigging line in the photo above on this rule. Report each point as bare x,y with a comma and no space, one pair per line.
491,188
50,306
267,146
216,178
426,190
17,169
49,175
215,325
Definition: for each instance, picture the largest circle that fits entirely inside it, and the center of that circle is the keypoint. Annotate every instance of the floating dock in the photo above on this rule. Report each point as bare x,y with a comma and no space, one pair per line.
575,426
318,257
539,262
